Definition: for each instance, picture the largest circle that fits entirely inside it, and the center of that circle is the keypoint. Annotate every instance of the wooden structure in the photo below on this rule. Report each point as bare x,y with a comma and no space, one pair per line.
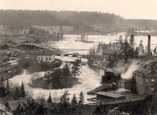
114,102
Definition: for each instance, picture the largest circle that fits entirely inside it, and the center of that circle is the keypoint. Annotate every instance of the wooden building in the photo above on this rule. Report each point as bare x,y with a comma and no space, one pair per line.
116,103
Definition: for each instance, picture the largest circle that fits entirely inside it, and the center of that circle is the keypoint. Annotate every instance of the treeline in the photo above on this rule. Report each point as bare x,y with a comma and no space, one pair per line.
80,21
47,107
26,105
55,18
26,18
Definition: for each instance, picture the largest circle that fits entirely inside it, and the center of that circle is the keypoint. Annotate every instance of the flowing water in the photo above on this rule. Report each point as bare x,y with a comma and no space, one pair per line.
88,77
72,43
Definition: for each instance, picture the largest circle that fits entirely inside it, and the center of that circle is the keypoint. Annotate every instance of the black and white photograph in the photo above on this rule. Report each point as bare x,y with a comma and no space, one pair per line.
78,57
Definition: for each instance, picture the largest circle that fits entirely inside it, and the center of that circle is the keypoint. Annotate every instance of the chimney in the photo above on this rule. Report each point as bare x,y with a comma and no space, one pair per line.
149,44
132,40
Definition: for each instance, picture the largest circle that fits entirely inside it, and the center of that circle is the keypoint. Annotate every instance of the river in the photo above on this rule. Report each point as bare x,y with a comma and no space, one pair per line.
71,43
89,78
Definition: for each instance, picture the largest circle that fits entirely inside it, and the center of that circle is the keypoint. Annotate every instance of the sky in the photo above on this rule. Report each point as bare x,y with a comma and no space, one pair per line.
139,9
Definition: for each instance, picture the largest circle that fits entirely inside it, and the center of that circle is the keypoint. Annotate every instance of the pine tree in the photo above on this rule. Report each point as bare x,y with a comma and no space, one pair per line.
2,88
66,70
22,90
81,101
65,98
74,100
49,100
30,100
2,82
120,40
76,68
136,52
7,87
16,94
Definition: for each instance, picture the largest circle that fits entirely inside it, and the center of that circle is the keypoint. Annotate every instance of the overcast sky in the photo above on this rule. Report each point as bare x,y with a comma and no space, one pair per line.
127,8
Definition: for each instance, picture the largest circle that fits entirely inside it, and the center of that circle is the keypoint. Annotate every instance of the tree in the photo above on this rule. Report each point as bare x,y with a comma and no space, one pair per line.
66,70
16,93
30,101
2,82
126,51
65,98
76,68
81,101
22,90
121,40
7,87
49,100
141,48
74,100
136,52
2,88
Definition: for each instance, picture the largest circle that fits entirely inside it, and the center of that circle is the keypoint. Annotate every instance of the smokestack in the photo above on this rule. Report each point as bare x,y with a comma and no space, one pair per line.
149,44
132,40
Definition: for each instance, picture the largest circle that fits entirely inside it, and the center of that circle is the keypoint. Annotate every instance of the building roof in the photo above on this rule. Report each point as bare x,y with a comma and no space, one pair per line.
119,98
28,46
111,95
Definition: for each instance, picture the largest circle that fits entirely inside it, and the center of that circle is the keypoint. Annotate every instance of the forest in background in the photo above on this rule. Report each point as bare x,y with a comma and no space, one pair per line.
80,21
